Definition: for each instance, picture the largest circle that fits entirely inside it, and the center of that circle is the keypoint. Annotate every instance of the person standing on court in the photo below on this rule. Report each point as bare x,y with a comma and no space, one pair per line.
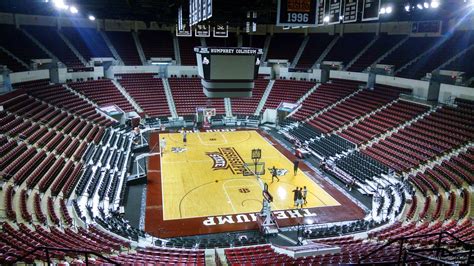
305,193
300,198
295,196
296,163
162,145
184,133
275,174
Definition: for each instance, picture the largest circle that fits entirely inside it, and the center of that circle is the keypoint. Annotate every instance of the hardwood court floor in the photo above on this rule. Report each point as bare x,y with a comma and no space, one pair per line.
206,180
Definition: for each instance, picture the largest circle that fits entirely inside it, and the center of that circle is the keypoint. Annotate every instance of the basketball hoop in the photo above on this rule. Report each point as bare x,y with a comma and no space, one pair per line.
205,115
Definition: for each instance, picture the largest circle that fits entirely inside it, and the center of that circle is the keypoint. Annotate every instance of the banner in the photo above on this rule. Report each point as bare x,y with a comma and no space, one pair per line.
334,9
202,30
370,10
432,26
180,18
199,10
350,11
321,12
221,31
206,9
296,13
185,32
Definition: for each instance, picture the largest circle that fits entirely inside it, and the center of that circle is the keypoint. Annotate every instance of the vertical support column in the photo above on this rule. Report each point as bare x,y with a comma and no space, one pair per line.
5,83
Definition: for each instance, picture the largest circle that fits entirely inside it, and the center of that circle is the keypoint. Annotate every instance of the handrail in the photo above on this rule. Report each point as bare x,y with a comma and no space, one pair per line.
48,260
405,238
425,257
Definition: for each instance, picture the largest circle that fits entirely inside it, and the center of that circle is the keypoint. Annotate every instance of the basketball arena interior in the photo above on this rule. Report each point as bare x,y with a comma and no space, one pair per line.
264,132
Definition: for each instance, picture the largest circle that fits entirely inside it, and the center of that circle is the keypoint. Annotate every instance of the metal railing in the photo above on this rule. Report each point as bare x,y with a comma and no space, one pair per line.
403,253
47,250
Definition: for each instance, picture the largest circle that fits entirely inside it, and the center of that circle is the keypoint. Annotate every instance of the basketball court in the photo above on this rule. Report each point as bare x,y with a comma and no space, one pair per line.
206,177
207,186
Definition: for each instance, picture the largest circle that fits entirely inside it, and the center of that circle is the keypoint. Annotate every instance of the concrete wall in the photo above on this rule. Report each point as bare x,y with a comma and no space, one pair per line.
356,76
172,70
447,91
64,75
420,88
6,18
21,19
315,74
29,76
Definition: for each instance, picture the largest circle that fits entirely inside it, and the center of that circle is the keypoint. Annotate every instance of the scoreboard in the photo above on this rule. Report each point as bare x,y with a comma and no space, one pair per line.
313,13
296,13
228,71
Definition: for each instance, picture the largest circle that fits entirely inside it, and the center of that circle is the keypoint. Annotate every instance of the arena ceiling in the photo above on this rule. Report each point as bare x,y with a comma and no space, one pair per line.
233,12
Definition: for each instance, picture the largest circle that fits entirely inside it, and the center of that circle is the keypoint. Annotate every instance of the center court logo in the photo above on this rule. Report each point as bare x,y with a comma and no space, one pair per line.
227,158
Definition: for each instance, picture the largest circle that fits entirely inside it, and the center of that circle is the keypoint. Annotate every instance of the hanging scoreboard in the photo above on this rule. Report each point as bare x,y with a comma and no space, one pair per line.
350,11
370,10
296,13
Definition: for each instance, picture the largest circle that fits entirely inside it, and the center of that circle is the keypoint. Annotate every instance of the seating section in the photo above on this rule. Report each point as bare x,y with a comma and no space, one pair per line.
356,106
331,145
186,50
162,255
304,132
361,167
188,95
17,240
409,50
247,106
103,92
378,48
64,99
450,173
10,62
315,46
348,46
386,119
125,45
54,143
19,44
461,230
463,63
352,250
42,148
88,42
147,91
49,37
425,139
287,91
451,44
325,95
157,44
291,42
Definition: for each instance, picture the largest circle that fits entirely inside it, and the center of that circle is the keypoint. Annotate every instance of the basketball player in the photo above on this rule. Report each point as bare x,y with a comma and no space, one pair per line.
299,201
305,193
275,174
296,162
162,145
183,132
295,196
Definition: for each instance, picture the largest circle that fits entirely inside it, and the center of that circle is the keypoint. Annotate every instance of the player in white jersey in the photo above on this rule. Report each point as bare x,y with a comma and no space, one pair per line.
184,133
162,145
